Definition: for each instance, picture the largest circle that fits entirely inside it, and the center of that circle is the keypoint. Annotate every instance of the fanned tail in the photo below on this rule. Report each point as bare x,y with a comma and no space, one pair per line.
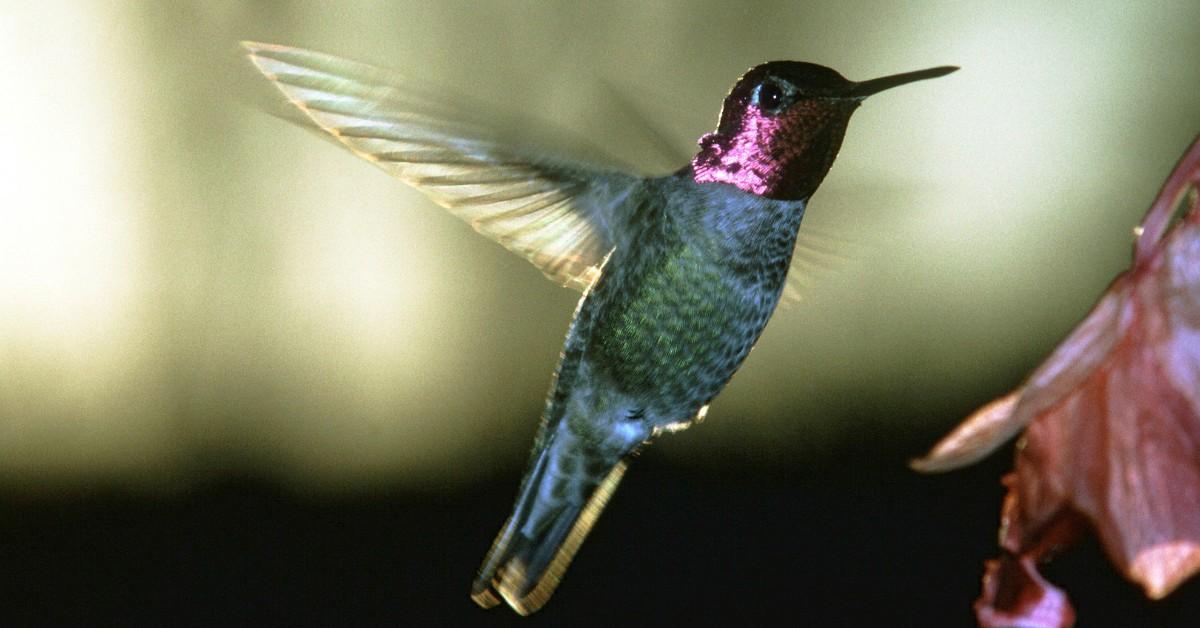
555,510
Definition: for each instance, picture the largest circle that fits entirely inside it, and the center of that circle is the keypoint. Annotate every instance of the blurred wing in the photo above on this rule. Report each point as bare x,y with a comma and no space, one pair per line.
819,254
563,217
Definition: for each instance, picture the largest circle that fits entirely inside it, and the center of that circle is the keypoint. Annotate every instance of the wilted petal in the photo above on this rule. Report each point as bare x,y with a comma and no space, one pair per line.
974,438
1016,595
1071,363
1112,436
1163,567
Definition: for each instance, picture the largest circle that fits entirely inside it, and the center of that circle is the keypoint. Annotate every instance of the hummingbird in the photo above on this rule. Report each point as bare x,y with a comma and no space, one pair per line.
679,273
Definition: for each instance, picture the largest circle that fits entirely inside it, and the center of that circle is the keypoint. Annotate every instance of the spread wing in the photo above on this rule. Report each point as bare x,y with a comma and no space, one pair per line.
562,216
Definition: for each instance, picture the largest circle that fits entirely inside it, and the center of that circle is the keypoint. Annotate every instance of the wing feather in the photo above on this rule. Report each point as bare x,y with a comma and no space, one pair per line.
562,216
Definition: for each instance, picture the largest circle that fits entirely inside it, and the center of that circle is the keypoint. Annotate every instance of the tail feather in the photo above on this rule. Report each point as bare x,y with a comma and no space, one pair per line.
529,557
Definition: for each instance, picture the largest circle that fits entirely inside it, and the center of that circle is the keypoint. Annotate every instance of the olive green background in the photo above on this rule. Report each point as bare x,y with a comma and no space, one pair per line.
189,286
247,379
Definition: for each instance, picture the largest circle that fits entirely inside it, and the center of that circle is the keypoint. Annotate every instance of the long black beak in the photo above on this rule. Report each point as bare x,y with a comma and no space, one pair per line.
874,86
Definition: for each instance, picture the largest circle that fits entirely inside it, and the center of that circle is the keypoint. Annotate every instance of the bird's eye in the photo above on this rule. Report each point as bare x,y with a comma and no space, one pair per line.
769,97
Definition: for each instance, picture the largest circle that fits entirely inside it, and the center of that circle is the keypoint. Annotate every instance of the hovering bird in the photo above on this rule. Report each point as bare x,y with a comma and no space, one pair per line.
679,273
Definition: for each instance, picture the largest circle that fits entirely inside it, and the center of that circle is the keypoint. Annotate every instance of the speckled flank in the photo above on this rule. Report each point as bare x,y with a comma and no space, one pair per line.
681,309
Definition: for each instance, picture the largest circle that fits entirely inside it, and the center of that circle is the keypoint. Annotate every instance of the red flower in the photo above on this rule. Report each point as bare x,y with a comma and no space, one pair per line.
1112,430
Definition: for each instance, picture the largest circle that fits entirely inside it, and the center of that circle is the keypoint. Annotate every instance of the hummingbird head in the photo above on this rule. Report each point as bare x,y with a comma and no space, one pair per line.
782,125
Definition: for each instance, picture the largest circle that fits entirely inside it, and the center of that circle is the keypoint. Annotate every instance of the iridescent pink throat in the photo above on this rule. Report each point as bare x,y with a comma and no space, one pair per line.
781,157
744,159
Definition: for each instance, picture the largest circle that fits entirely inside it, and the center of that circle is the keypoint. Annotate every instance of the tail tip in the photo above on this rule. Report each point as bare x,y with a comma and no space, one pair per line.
509,585
485,598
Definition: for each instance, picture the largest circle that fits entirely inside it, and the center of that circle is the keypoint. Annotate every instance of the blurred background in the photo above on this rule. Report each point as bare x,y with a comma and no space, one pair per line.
245,376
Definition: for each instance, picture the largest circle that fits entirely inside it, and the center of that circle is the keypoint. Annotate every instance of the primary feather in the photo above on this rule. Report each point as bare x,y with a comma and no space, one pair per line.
562,216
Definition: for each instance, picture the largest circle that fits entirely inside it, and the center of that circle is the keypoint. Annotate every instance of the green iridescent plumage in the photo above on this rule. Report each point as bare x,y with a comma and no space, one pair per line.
680,273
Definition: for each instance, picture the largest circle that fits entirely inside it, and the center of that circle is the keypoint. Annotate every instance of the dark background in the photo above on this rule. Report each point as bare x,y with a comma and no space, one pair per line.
859,542
245,378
